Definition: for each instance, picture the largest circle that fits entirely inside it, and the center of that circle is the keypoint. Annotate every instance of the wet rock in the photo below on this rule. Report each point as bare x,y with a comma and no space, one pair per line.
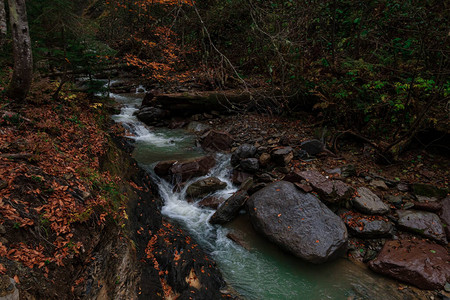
238,239
419,263
8,290
205,186
264,159
216,141
197,127
265,177
211,202
428,190
348,171
184,170
152,115
369,203
379,184
230,208
367,226
424,223
312,147
297,222
163,167
332,191
250,165
445,215
239,177
283,156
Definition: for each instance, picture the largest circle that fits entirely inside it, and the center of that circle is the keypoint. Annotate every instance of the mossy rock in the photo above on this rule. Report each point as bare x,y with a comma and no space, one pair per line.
428,190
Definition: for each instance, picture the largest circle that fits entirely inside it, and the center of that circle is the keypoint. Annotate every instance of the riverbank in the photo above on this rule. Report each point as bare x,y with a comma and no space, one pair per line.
79,218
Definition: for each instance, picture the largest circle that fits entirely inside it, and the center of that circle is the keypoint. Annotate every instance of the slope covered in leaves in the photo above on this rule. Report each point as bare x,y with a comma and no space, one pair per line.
54,200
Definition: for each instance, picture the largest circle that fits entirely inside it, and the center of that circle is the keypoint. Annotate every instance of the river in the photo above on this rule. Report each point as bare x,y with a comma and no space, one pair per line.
263,271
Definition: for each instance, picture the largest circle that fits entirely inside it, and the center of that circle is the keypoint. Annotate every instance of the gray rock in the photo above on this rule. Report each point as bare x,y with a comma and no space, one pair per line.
369,203
332,191
403,187
312,147
396,200
197,127
379,184
229,209
297,222
205,186
152,115
423,223
245,151
250,165
428,190
283,156
367,227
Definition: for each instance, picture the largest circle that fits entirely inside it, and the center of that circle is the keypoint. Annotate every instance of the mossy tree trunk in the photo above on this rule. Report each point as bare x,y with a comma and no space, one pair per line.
23,60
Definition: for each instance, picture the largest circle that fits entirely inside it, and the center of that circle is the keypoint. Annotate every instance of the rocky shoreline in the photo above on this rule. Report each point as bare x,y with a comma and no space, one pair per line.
315,204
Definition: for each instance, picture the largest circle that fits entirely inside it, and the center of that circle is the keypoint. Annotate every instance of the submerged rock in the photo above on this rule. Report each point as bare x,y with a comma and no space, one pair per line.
205,186
297,222
419,263
369,203
424,223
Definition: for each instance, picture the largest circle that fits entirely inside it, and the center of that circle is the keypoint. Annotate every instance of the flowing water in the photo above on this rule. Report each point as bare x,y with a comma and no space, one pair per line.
263,271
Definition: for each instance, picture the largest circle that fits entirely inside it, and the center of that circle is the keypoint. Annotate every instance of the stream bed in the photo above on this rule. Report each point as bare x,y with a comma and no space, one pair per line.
263,271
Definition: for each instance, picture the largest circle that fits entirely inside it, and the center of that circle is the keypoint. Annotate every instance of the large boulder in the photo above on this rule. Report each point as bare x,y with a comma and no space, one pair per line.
332,191
216,141
297,222
184,170
205,186
423,223
419,263
230,208
369,203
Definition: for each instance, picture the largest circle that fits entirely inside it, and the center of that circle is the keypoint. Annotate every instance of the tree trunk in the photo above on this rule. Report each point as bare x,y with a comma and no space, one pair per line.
2,23
23,60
